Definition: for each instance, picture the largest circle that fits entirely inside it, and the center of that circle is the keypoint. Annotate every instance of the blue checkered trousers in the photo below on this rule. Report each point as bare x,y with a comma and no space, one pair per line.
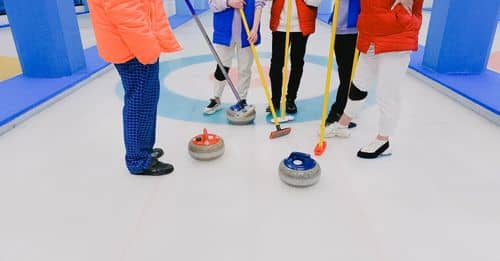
142,90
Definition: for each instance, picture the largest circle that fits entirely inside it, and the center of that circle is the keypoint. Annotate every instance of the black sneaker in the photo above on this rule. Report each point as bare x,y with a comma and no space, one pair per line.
212,107
350,126
291,107
156,153
157,168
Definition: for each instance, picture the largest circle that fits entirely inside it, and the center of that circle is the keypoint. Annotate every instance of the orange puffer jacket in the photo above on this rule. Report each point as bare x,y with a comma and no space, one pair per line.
389,30
126,29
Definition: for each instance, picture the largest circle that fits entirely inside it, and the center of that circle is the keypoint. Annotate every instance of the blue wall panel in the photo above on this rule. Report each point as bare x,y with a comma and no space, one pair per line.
47,37
2,7
461,35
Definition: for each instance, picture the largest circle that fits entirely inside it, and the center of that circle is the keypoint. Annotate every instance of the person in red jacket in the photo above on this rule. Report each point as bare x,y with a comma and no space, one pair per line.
132,34
302,24
388,32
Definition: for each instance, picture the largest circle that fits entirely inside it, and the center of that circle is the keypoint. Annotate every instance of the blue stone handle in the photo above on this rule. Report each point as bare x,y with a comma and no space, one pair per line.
307,162
299,156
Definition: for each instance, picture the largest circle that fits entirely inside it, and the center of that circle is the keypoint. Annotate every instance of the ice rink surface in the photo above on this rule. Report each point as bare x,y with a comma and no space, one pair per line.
65,193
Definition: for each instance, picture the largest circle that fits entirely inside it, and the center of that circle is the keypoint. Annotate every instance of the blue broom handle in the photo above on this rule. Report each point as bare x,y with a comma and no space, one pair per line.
212,49
191,8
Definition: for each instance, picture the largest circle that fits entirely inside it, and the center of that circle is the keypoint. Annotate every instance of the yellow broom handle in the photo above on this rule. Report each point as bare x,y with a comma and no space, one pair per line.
284,86
259,68
333,32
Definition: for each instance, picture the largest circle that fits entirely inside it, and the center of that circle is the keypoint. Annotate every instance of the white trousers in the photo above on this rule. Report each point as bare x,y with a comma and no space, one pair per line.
245,61
387,72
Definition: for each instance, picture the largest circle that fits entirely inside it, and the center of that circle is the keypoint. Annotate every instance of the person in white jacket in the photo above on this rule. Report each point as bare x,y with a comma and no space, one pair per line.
229,36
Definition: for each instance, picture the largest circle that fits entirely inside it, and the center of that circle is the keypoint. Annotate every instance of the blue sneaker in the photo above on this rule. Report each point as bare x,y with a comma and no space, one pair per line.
239,106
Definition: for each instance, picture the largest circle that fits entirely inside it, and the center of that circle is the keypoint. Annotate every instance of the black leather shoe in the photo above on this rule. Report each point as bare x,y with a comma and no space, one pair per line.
156,153
291,107
157,168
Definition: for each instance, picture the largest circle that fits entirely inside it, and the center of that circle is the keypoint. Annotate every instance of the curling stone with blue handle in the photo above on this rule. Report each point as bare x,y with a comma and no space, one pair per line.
299,170
241,114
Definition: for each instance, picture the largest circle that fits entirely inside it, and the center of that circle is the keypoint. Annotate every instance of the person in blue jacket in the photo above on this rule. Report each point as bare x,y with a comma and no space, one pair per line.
230,36
345,45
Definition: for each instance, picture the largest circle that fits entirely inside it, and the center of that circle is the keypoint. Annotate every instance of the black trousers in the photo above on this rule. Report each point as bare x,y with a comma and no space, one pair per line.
298,44
345,45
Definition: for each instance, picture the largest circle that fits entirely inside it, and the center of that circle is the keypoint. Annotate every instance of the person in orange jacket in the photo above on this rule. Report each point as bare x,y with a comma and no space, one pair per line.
388,32
132,34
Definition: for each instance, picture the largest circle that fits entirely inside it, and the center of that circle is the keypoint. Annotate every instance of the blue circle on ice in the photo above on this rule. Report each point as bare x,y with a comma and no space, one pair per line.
175,106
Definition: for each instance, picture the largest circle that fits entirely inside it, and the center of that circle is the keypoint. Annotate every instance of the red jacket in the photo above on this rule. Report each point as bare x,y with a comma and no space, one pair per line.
390,30
307,16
